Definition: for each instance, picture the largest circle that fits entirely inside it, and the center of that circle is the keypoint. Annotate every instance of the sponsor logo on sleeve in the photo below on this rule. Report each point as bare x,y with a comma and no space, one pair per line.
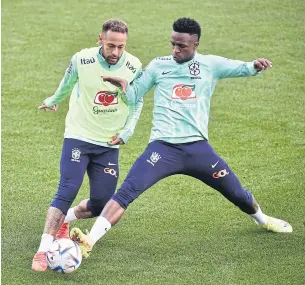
69,69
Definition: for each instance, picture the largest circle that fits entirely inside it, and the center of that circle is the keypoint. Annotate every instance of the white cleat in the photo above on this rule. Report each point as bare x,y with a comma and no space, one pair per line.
277,225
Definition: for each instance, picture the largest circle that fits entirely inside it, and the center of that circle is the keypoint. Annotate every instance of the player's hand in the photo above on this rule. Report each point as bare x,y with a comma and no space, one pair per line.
262,64
45,108
116,81
116,140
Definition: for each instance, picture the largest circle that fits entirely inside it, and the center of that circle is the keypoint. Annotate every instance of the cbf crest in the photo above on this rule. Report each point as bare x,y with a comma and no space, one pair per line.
76,155
154,158
194,68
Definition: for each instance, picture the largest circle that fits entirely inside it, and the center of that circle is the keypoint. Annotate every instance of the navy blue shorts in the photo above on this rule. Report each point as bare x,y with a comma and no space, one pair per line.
101,164
195,159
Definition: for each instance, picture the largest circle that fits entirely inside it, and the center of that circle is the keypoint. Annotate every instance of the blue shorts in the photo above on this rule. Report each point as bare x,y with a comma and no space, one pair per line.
196,159
101,164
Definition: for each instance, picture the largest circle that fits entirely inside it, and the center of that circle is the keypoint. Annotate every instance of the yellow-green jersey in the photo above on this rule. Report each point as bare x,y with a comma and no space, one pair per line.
97,111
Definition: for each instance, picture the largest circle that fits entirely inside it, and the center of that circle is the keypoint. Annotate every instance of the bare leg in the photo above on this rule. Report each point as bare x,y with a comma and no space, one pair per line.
110,215
55,218
81,210
112,212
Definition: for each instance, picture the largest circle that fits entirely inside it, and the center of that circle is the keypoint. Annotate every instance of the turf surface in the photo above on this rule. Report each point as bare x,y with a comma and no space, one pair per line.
180,231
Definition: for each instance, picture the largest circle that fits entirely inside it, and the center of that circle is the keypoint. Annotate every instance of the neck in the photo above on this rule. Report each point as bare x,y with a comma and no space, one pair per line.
189,59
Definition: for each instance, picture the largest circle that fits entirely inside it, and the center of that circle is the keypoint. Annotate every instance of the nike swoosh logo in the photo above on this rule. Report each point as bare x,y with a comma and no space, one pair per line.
166,72
213,165
109,163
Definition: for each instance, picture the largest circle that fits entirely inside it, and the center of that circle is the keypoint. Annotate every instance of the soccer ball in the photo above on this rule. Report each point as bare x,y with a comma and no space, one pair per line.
64,256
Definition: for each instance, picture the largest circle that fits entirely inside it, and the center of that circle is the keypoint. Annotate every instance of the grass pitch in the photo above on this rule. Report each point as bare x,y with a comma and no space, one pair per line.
180,231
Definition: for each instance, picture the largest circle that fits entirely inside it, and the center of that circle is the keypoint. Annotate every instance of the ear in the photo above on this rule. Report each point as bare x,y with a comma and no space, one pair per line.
100,39
196,44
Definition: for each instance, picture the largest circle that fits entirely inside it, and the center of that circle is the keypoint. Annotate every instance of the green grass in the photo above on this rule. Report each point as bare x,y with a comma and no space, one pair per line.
180,231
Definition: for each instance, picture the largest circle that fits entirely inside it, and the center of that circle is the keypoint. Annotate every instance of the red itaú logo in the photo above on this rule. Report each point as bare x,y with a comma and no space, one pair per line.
106,98
183,91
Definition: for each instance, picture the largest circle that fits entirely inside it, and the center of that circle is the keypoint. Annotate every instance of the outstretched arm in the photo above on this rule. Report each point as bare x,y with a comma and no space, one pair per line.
64,89
138,88
225,68
134,115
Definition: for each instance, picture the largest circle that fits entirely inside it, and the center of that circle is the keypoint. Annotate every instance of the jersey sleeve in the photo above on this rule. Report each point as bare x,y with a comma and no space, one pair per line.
66,85
142,84
134,115
139,73
225,68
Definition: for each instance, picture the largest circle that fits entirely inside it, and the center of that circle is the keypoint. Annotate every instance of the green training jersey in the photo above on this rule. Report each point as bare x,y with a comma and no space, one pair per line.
97,110
183,93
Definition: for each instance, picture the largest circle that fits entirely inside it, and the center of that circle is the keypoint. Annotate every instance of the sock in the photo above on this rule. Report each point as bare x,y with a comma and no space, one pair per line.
100,227
70,217
45,243
259,217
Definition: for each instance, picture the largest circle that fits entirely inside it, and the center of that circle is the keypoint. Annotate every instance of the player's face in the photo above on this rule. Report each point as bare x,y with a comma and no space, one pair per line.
113,45
183,46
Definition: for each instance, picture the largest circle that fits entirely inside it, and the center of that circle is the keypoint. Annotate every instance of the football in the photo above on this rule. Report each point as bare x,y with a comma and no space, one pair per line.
64,256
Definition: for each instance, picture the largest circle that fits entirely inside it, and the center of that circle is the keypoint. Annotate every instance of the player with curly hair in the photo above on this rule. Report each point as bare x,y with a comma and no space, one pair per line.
184,83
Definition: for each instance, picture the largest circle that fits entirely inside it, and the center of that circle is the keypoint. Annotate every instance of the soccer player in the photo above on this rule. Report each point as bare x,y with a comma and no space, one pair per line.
98,120
184,83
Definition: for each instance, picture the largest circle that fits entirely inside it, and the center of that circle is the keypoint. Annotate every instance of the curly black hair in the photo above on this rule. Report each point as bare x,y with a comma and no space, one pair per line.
187,25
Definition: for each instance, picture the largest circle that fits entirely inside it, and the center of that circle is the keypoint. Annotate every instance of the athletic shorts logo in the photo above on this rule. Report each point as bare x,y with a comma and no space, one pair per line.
76,155
183,92
110,171
106,98
220,174
214,165
154,158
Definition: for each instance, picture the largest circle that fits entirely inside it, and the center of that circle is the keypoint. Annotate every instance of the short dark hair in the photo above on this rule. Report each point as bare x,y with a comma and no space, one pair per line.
188,26
115,26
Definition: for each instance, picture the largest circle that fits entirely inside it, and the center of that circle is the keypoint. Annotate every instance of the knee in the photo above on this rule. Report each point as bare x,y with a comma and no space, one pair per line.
61,203
65,195
128,192
96,205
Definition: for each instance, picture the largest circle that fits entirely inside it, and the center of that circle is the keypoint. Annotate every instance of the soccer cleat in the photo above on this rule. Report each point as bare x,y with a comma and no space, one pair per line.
63,231
39,262
84,241
277,225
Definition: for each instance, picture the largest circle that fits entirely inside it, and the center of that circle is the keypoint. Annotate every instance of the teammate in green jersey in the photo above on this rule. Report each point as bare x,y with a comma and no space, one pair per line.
184,83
